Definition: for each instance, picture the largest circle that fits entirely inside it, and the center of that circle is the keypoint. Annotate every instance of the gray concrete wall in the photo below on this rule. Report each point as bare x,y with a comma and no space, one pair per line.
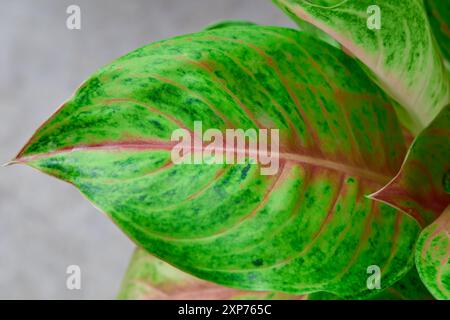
45,224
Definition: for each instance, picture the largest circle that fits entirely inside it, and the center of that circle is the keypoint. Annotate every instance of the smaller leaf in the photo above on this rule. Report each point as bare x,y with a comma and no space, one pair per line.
149,278
398,51
422,187
432,256
439,16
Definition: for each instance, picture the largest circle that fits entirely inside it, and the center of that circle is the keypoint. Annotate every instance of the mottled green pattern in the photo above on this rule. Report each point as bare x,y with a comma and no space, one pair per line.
439,16
402,56
308,228
149,278
422,187
433,254
410,287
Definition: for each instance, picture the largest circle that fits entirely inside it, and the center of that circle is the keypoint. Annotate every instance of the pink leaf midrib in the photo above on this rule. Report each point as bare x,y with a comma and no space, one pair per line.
160,145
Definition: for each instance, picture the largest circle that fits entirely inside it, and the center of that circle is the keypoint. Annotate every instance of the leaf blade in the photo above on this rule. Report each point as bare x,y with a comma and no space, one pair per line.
111,141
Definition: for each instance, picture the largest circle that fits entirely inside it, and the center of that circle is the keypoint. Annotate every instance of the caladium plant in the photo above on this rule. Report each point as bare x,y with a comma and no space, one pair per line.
347,195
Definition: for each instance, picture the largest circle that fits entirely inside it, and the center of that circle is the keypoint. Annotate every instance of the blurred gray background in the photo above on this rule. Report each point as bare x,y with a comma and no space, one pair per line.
45,224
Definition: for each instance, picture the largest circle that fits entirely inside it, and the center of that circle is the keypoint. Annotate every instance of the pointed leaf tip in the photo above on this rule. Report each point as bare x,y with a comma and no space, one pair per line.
420,187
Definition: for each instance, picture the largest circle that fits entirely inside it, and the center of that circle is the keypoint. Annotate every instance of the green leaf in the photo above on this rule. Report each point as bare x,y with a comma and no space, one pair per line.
307,228
422,186
439,17
432,256
149,278
410,287
402,56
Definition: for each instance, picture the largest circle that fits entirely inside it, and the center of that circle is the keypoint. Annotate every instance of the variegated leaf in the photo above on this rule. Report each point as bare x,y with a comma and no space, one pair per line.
402,55
308,227
433,256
